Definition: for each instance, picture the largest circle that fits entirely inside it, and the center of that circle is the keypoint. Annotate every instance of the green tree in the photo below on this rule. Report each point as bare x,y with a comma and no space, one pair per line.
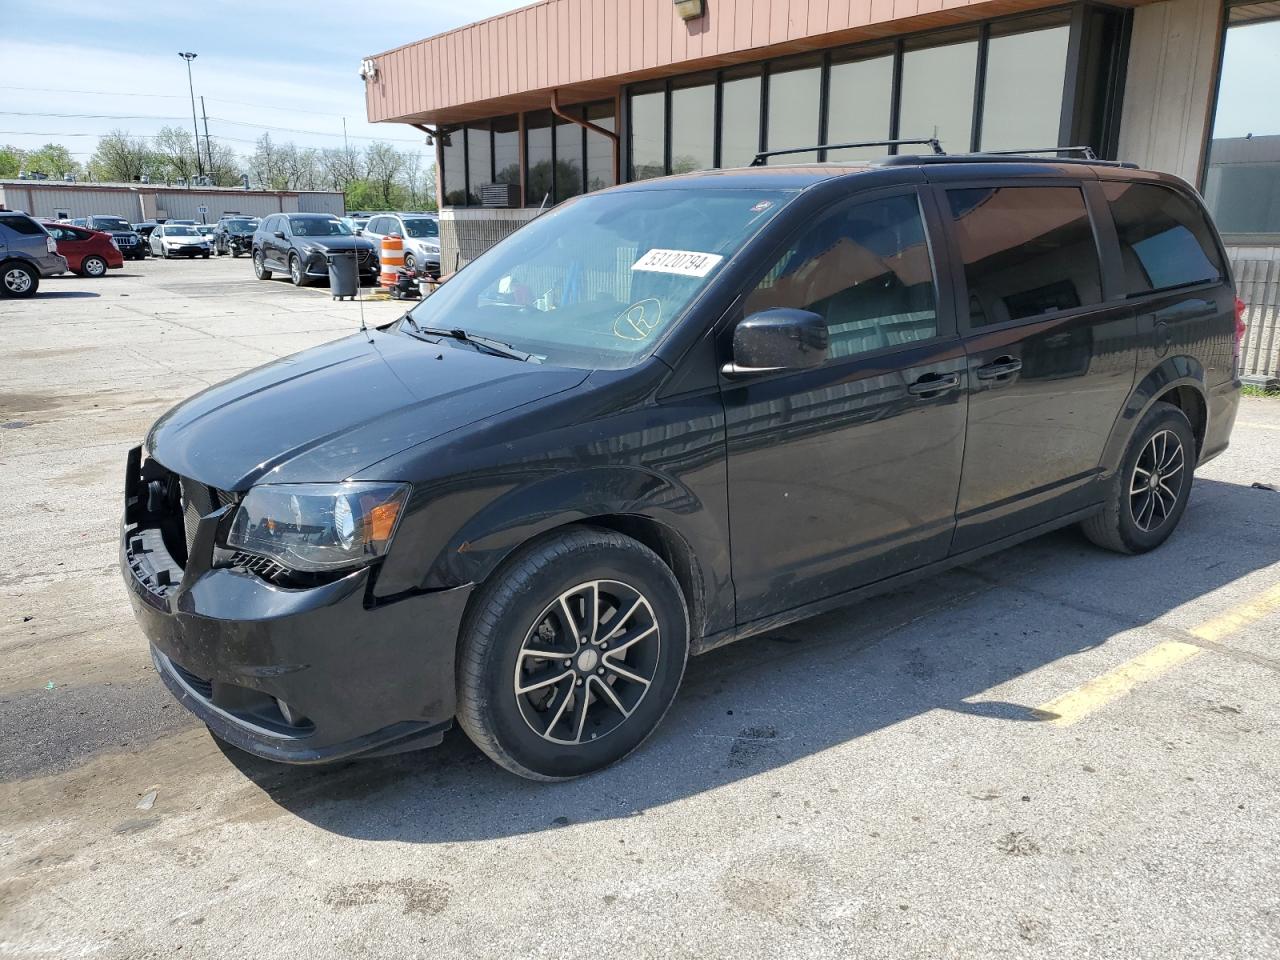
53,160
121,158
10,161
176,150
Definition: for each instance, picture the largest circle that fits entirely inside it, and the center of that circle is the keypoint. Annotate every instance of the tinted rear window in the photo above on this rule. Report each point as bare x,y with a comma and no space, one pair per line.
1164,239
21,224
1026,251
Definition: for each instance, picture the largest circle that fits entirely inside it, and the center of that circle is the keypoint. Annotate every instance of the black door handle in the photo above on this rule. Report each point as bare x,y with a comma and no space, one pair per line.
999,369
933,384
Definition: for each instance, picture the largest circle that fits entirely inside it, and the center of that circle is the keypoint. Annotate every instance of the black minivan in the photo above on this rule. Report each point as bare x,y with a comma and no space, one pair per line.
666,416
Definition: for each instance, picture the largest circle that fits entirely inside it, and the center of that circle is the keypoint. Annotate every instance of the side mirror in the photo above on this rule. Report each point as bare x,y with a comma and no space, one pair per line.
779,339
279,234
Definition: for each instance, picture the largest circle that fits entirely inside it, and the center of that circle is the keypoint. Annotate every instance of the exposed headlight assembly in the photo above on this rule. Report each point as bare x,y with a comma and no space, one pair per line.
319,527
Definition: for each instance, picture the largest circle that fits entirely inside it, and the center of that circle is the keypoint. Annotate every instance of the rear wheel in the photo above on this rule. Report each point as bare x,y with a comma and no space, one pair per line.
93,267
19,280
1148,494
571,654
260,266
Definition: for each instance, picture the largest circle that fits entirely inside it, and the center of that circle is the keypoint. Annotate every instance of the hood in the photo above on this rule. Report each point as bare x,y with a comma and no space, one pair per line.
325,414
118,233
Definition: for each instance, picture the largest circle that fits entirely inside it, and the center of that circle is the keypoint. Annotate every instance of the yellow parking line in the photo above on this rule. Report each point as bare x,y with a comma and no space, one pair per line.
1233,620
1160,659
1114,684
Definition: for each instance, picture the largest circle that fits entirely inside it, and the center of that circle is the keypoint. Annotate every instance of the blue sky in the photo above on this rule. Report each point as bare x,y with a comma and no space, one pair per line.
1248,101
271,63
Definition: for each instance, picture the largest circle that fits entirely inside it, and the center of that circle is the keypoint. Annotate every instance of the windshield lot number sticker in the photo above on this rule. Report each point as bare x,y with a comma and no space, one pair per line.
683,263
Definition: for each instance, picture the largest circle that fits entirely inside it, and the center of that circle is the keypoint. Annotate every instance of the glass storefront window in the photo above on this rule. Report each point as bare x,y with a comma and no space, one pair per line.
600,149
648,134
739,118
568,156
455,169
479,161
1022,96
1242,180
937,93
539,179
794,97
860,103
693,126
506,150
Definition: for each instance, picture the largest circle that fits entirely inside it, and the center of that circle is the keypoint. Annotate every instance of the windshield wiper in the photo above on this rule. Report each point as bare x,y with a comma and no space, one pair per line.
488,344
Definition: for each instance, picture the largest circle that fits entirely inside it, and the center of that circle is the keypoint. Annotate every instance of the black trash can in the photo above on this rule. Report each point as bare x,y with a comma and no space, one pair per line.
344,276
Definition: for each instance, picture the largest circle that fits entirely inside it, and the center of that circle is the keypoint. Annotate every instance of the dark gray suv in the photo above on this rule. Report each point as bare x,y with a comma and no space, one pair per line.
27,253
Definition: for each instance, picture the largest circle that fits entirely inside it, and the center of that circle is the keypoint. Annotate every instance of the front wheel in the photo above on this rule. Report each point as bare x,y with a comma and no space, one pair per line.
296,272
1148,494
571,654
93,267
260,266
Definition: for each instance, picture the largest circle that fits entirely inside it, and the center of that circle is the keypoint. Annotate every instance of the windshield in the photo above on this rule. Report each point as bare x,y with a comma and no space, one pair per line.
421,227
597,282
306,227
172,231
110,223
240,226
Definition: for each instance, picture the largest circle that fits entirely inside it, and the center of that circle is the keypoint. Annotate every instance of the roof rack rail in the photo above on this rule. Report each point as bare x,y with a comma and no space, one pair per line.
1085,152
933,142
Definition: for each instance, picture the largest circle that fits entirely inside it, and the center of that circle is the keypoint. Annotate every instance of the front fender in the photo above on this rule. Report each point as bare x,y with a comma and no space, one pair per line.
1169,373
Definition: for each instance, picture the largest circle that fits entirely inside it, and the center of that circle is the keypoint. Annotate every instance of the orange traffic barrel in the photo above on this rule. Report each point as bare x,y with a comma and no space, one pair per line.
392,260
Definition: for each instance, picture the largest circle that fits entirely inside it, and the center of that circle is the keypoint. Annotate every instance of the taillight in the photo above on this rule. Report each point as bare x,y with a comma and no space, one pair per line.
1240,328
51,244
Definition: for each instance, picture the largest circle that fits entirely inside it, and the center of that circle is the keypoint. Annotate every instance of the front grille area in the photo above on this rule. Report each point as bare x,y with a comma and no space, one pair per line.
125,240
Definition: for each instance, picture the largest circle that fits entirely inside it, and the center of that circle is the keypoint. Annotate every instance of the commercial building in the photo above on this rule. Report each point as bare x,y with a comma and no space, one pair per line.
535,106
60,200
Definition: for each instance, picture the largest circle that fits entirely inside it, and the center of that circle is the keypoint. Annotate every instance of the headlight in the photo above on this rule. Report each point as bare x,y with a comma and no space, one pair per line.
316,527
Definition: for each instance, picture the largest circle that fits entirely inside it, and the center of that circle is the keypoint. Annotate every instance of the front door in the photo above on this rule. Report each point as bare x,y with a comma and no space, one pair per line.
1051,360
847,473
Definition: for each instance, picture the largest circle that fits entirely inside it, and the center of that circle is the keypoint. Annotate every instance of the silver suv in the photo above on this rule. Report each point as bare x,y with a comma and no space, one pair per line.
421,233
27,253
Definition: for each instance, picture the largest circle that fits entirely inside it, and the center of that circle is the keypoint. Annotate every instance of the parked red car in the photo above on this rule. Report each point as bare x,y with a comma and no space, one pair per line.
89,253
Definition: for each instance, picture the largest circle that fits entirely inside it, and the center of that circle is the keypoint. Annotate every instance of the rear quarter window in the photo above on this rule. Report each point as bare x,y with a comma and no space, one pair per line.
1165,240
23,225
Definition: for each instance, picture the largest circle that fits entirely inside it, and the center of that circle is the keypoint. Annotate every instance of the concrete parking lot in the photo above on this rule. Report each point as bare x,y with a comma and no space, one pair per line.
1055,752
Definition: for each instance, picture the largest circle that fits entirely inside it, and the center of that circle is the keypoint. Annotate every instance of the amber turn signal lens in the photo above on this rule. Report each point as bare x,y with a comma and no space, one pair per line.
382,521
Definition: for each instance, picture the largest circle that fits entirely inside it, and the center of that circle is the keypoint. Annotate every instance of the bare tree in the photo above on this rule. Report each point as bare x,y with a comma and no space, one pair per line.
384,165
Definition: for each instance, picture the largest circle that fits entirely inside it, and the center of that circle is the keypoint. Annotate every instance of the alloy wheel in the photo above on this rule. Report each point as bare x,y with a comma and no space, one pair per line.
1157,481
587,662
17,281
95,267
295,270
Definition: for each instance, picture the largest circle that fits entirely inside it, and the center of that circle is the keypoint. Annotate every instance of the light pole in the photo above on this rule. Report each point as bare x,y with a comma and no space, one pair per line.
194,128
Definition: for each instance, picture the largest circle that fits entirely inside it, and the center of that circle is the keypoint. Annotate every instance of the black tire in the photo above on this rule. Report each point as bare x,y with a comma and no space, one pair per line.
19,280
93,267
1144,505
411,263
521,600
260,266
205,255
297,275
234,251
